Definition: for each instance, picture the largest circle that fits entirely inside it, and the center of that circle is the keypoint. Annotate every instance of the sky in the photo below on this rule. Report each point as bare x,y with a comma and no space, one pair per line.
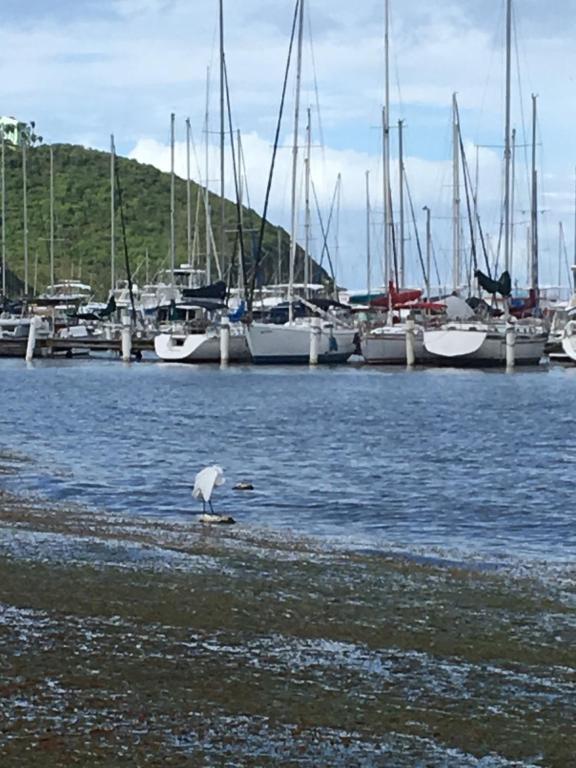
84,69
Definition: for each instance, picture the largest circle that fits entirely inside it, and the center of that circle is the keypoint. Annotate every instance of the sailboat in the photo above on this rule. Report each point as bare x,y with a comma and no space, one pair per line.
385,342
291,342
194,334
470,339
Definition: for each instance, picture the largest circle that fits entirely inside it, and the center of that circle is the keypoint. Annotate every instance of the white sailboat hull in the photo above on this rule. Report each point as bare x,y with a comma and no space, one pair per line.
199,347
461,345
569,341
387,346
290,343
482,346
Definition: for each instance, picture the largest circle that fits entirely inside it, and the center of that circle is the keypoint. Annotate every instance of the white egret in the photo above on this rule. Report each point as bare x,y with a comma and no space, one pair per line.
205,482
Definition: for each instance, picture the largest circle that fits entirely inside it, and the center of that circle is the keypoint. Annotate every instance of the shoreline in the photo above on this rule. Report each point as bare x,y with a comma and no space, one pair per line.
164,643
521,565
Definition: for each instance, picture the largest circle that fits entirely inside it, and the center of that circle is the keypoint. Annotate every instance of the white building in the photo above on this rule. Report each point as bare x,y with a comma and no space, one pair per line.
14,131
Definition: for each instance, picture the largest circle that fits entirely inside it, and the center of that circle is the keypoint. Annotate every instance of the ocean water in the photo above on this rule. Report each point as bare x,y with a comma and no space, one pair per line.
443,462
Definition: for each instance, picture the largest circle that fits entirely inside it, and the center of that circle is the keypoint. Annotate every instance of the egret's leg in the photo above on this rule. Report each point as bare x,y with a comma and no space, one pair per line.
210,505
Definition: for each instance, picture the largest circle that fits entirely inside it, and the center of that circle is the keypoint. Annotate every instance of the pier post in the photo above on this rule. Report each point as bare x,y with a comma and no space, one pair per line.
410,343
126,342
315,332
510,347
31,346
224,341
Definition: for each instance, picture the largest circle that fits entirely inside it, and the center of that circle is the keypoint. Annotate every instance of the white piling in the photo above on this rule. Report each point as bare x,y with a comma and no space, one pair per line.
510,347
30,347
410,343
315,333
224,341
126,342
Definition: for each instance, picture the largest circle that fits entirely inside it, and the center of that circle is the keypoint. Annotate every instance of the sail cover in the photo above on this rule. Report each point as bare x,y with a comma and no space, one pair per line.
502,286
453,342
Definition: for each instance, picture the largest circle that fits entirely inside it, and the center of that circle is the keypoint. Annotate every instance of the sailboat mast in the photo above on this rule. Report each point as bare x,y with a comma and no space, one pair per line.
560,250
534,207
294,212
172,203
112,214
386,145
512,196
307,208
368,254
574,264
51,216
507,137
428,251
3,207
240,185
401,198
337,233
456,267
222,135
279,254
24,140
188,197
208,223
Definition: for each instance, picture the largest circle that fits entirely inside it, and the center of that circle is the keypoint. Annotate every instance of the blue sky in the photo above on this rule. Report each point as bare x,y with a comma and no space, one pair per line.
85,69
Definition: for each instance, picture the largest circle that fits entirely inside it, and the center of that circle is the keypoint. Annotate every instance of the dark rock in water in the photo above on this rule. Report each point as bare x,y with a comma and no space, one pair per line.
243,487
209,519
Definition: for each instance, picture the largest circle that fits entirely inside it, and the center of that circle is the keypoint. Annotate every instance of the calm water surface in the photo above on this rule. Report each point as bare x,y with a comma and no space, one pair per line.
467,463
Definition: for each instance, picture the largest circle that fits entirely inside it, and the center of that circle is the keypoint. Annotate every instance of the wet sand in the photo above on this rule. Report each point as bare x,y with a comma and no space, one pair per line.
144,642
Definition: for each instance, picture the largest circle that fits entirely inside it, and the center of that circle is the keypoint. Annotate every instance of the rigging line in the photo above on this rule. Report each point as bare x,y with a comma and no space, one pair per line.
442,172
258,256
417,235
393,238
525,140
496,253
498,25
243,182
125,241
244,173
325,230
435,262
567,262
467,182
392,36
195,154
468,177
316,89
240,232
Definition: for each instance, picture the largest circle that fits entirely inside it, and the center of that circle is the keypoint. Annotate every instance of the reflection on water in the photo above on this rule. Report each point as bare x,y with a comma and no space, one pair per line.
463,461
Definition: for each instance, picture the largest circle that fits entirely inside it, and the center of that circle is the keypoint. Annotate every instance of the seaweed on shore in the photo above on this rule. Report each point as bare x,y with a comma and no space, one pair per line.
143,642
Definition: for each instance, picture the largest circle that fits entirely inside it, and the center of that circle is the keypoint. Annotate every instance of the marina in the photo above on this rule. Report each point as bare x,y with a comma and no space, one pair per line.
287,367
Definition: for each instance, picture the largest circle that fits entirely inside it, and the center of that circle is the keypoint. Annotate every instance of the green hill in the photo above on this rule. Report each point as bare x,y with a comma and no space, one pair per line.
82,221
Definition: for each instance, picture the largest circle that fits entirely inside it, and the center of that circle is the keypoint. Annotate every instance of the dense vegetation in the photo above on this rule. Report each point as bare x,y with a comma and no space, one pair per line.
82,222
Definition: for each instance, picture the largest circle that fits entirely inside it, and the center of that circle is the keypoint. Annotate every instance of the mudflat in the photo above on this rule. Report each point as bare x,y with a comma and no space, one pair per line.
150,642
